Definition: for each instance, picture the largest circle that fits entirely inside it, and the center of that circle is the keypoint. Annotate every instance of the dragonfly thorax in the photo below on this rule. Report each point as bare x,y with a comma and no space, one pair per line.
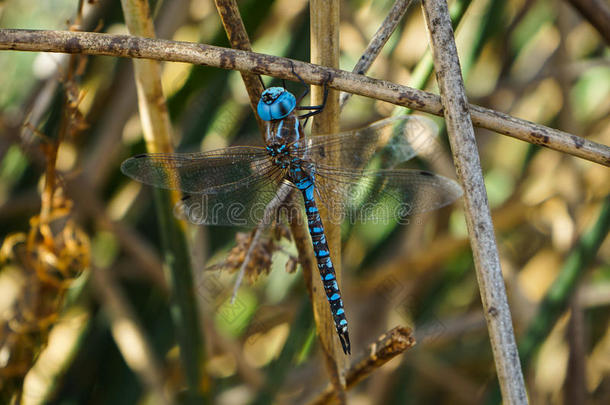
281,154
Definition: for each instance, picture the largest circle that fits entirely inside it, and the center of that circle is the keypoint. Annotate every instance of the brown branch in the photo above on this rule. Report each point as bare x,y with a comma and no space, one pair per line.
388,346
208,55
477,212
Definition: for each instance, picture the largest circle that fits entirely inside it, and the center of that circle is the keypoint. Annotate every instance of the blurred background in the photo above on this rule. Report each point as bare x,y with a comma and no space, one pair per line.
85,308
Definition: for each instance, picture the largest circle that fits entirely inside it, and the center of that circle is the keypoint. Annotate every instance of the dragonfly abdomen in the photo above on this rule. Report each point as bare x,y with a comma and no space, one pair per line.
325,264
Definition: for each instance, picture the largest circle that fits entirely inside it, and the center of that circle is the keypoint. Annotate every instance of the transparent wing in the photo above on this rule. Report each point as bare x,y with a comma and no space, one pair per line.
230,186
233,186
391,140
254,205
216,171
383,195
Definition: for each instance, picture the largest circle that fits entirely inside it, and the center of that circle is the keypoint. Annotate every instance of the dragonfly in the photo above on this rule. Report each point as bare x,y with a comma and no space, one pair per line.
234,185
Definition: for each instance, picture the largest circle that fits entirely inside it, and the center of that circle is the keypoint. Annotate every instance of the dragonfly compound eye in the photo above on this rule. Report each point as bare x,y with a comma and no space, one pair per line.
275,103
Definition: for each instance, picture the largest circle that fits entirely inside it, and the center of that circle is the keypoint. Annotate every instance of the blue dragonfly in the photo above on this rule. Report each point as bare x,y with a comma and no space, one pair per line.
237,185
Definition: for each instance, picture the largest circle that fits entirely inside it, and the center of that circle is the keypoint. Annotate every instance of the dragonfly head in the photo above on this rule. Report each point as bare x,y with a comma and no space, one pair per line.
275,103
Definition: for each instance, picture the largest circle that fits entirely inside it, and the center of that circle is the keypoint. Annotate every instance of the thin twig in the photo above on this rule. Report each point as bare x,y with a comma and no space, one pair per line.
478,215
154,116
388,346
238,37
208,55
374,47
242,269
281,196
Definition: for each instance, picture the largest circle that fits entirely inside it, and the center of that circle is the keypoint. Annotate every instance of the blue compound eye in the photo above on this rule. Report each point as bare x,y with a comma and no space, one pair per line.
275,104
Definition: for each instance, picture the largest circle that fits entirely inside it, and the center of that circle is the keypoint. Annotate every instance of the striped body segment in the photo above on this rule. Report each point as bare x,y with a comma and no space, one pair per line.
304,181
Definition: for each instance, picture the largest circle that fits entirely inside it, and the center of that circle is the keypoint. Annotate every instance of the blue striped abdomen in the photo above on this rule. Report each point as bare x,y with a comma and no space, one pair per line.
325,264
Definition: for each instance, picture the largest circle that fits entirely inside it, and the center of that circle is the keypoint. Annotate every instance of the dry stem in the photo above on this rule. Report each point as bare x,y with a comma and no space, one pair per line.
477,212
388,346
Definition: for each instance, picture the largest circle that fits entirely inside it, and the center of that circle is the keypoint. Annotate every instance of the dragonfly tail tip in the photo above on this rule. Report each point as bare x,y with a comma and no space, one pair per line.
344,338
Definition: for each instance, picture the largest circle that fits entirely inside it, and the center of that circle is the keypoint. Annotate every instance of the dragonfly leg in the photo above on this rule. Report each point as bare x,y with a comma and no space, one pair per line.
315,109
306,91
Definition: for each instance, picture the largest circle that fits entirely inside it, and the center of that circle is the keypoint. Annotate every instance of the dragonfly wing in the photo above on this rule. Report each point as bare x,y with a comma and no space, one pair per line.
254,205
205,172
231,186
393,140
382,195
